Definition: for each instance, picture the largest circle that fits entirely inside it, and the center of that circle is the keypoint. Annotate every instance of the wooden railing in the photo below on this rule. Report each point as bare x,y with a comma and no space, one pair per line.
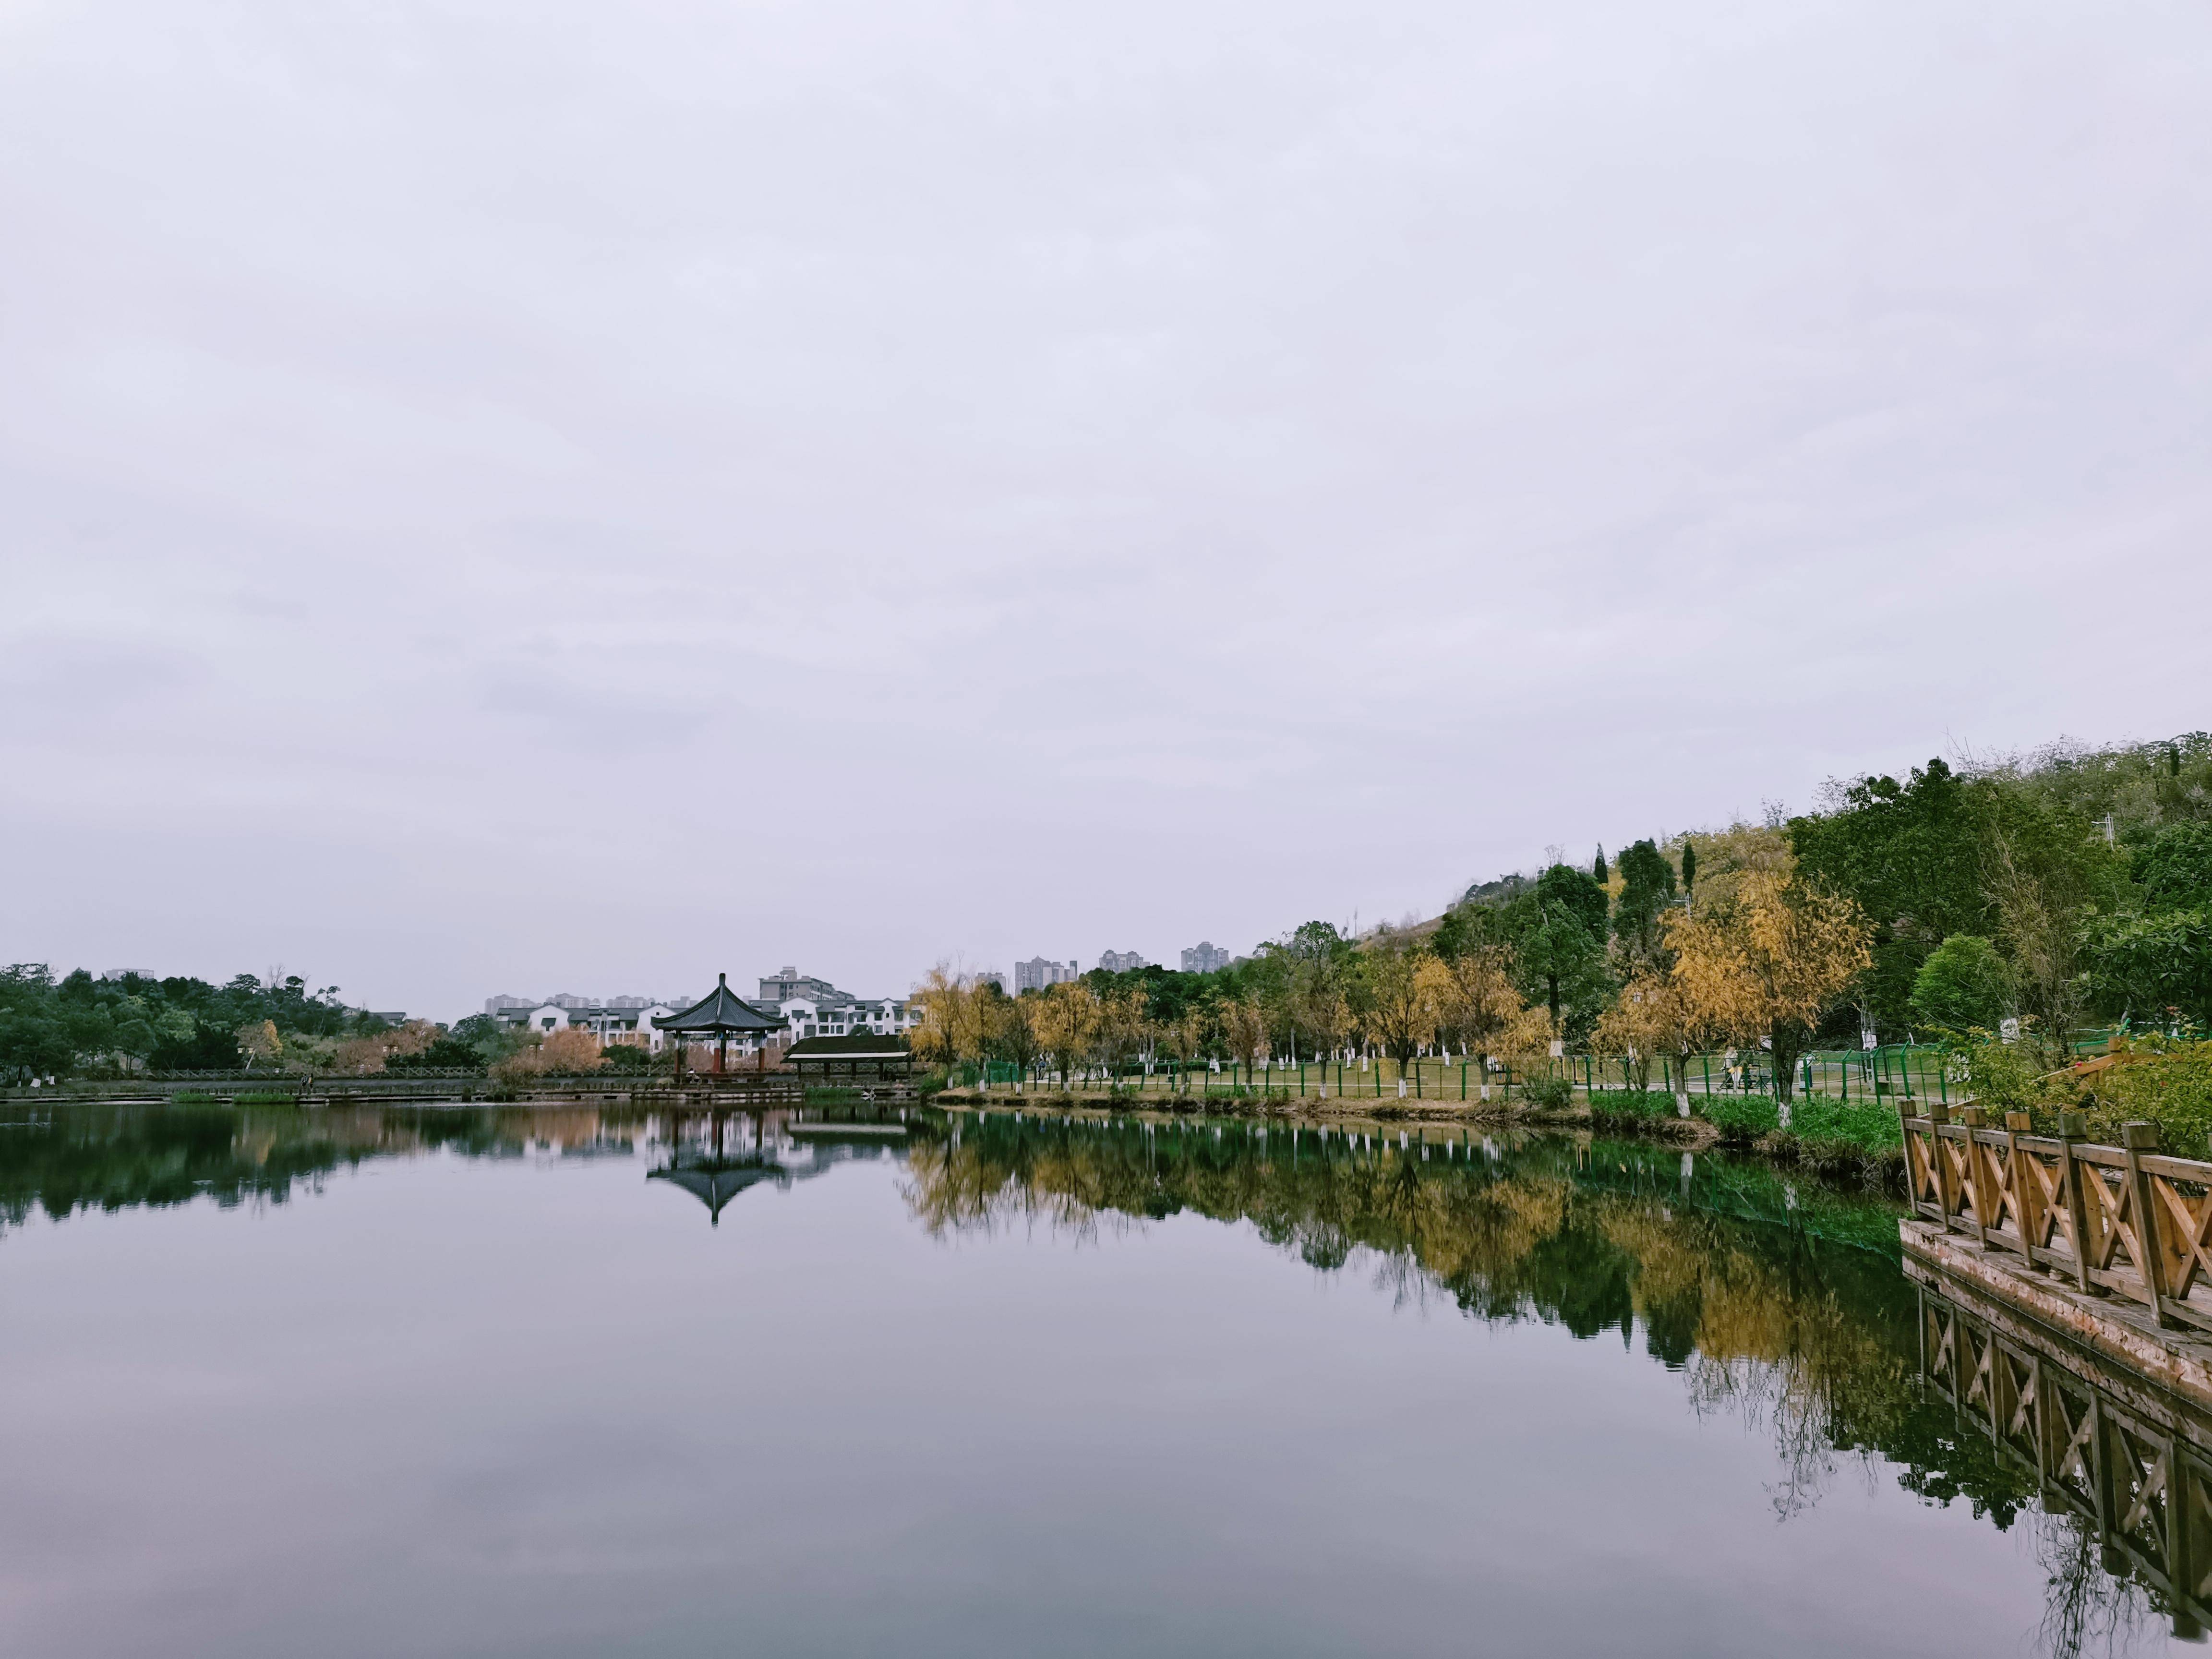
2124,1220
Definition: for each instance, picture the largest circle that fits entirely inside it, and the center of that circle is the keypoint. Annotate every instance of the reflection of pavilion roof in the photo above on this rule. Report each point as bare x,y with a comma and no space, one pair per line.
722,1012
715,1181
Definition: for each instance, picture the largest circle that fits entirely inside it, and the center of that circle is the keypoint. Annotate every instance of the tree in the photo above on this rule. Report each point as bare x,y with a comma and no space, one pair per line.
1186,1036
363,1056
1964,986
1689,870
1121,1030
2144,965
1769,964
1016,1031
952,1025
1598,872
258,1041
2047,875
1569,889
1647,886
2174,869
1067,1024
1244,1032
1325,1014
1649,1018
1477,996
1405,1011
1556,952
571,1048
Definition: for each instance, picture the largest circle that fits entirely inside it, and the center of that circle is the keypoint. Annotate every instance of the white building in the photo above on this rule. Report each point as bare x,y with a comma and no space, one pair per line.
808,1006
614,1020
1039,971
1205,957
815,1007
1123,962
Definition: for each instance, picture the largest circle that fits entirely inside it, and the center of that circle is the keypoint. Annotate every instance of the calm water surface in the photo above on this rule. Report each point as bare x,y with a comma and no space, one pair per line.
482,1381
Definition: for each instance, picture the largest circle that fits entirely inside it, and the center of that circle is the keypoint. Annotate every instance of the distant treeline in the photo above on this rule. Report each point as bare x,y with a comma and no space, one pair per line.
2074,884
1997,906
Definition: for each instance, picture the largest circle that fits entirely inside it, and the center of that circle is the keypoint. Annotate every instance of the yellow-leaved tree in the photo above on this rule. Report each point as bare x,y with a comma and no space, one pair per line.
258,1041
1768,963
1014,1032
1185,1039
1403,985
957,1013
1121,1031
1244,1032
1649,1019
1477,998
572,1049
1068,1024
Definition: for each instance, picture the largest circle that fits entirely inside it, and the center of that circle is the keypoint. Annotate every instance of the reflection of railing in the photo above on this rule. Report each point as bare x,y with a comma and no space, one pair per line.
2133,1461
2123,1219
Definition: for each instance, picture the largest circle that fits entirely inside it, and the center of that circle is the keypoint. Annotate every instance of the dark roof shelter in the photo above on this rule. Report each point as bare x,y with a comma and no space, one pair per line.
862,1057
719,1016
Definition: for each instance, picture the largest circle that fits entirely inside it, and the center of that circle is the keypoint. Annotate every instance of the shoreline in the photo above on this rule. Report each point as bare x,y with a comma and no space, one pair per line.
1842,1164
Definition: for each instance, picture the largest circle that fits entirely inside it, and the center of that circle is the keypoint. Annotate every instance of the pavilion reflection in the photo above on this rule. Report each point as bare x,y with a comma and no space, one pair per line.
717,1154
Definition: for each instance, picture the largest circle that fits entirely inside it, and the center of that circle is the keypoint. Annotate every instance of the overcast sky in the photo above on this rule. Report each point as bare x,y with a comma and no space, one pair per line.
554,497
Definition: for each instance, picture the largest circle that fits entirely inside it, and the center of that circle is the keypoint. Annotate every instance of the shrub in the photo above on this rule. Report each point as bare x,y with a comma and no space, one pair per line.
1632,1105
1551,1093
1963,985
2157,1081
1739,1117
1856,1123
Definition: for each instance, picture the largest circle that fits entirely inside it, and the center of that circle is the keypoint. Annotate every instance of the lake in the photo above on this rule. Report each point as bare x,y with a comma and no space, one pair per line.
486,1380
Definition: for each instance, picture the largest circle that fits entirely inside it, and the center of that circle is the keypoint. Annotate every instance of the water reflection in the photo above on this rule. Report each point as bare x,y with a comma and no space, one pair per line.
716,1155
1778,1304
1778,1301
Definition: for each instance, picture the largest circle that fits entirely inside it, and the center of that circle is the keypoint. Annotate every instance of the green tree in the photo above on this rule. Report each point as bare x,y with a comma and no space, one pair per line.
1964,986
2141,966
2174,868
1557,959
1647,886
1567,888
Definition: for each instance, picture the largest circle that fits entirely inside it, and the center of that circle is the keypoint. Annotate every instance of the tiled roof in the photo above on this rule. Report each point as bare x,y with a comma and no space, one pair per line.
722,1012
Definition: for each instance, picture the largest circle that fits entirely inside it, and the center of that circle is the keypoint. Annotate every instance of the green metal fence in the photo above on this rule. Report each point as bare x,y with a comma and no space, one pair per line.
1897,1071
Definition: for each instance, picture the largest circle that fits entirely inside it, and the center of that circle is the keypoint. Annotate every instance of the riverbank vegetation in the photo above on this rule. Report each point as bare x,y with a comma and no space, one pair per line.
77,1026
2013,914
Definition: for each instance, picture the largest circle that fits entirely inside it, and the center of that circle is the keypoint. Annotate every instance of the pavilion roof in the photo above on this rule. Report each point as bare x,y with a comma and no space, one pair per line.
722,1012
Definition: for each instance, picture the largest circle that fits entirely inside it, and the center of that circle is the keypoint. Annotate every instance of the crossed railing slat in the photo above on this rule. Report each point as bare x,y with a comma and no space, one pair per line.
2125,1220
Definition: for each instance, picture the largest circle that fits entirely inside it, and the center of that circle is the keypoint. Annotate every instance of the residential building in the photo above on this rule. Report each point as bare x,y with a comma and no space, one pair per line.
611,1019
1039,971
788,982
808,1006
813,1007
1123,962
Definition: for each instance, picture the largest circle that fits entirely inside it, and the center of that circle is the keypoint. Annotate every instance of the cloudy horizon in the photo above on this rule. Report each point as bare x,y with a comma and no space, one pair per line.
523,500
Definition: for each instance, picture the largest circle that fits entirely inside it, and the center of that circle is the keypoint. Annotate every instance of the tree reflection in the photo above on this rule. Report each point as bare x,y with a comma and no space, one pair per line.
1799,1328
